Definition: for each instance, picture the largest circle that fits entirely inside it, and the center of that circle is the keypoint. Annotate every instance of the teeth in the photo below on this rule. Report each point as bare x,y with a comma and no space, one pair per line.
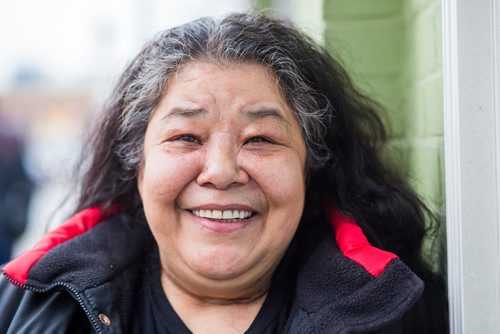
222,214
216,214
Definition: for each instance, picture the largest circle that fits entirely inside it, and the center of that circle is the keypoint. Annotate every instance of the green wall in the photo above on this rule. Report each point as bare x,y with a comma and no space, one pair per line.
393,50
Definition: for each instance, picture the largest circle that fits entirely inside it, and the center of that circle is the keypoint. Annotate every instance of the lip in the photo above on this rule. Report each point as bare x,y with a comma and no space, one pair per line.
218,226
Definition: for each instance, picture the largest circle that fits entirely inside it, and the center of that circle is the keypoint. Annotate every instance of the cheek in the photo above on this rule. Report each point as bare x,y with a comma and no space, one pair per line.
164,176
281,179
282,183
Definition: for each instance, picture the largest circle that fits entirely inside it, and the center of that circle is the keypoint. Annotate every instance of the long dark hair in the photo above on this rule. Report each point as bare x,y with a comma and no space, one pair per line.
341,126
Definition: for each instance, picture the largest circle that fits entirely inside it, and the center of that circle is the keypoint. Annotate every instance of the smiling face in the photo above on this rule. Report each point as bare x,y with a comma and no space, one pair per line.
222,179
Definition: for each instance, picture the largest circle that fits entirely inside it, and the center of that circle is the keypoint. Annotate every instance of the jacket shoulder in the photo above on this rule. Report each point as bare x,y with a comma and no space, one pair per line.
348,285
25,311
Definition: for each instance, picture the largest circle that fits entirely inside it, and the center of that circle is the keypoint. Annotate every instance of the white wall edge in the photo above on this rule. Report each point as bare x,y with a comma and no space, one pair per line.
452,165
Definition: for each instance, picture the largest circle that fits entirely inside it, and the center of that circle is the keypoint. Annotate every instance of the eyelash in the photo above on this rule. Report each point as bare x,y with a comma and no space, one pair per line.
259,139
187,138
194,140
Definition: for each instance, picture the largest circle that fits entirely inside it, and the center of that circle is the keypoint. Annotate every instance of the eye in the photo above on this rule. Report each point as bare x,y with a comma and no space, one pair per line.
187,138
259,139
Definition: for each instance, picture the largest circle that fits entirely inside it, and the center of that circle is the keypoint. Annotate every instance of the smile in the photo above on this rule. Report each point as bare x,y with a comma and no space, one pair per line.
223,215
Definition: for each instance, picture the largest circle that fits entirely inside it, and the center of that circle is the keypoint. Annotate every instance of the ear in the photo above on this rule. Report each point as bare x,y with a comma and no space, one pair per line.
140,177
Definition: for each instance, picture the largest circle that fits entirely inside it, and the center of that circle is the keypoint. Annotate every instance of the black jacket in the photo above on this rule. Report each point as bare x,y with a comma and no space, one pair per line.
81,277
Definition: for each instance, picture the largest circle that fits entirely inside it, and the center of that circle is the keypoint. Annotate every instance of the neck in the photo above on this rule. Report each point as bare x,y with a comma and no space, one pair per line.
203,313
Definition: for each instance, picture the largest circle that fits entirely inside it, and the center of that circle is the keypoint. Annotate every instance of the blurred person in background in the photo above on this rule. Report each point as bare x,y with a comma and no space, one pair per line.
15,191
52,138
235,184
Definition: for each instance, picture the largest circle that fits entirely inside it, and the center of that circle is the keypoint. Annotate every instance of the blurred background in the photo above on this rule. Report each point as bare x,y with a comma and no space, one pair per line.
60,59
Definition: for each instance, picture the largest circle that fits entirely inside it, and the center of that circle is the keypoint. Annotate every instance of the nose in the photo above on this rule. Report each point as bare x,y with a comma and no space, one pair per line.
221,169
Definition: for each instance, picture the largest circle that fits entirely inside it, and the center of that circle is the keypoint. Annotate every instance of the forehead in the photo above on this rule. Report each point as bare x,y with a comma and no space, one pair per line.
239,83
217,69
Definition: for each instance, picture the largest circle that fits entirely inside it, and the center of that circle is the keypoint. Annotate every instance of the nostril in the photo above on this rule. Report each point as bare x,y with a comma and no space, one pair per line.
221,171
222,179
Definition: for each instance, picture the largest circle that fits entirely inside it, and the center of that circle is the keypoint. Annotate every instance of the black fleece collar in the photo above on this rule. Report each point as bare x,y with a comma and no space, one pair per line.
336,295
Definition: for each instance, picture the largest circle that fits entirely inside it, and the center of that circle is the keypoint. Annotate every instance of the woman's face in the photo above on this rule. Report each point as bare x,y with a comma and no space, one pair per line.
222,178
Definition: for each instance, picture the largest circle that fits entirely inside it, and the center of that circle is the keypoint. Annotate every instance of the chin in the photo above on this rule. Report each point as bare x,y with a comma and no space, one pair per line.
221,267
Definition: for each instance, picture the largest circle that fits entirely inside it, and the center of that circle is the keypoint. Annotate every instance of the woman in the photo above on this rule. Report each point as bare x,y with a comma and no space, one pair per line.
228,188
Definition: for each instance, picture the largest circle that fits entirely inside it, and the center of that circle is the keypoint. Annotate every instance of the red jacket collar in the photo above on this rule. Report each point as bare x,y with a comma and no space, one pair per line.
18,269
355,246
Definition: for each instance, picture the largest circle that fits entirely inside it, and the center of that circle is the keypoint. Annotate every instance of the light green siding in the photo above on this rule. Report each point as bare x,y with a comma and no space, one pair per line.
393,49
361,9
425,100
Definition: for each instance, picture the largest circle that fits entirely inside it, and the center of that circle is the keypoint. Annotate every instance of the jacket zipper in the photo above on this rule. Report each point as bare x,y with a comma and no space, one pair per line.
72,291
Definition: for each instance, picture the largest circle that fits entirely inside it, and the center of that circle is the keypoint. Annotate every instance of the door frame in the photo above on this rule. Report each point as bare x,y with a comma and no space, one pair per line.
471,69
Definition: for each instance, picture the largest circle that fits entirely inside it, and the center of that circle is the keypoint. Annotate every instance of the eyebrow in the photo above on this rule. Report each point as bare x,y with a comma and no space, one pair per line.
267,112
252,114
184,112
